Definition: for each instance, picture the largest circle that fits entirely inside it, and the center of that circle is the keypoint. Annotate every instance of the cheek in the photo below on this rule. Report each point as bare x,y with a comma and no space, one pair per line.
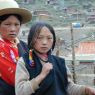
50,43
3,30
17,30
37,45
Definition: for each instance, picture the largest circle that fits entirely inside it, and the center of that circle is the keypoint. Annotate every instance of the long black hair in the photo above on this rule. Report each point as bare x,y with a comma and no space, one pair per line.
35,30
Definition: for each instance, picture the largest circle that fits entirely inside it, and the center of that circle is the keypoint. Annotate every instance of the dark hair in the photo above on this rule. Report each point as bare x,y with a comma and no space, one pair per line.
35,30
4,17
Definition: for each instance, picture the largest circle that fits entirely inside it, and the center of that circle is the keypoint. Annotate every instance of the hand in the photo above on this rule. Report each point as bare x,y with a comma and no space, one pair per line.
46,69
89,91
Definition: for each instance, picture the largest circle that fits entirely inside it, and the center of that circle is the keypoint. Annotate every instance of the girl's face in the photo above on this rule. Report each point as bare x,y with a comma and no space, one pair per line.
10,28
44,41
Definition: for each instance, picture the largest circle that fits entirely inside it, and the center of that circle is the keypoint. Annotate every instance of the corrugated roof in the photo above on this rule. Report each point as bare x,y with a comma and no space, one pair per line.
86,48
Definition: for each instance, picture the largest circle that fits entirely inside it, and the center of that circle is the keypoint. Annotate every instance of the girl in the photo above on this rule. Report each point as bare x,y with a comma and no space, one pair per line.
41,73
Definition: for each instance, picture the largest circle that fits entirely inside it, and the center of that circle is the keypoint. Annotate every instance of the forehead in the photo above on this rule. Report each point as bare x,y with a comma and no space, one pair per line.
11,18
45,31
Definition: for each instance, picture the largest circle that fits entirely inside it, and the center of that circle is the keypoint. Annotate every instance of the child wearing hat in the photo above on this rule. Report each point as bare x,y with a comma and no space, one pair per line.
11,48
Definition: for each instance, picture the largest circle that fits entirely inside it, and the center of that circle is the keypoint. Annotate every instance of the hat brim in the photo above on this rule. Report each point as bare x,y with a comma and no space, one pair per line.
24,13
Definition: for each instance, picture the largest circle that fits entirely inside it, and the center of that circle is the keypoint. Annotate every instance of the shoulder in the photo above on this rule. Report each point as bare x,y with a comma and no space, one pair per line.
22,42
23,45
25,57
58,58
21,69
20,62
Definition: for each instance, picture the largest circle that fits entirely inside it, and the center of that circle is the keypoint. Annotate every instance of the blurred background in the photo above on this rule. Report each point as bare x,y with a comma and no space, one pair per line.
73,21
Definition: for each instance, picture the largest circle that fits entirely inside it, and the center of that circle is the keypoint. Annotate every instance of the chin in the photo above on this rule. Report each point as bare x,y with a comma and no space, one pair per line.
11,39
43,52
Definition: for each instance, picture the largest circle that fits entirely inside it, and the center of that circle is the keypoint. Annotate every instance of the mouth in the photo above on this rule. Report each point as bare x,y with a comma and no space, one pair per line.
44,48
12,35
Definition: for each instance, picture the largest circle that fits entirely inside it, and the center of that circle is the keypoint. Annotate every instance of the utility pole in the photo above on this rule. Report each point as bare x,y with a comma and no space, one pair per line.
74,25
58,47
73,54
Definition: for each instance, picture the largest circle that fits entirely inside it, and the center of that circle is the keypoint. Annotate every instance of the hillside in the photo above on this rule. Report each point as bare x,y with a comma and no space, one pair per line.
63,12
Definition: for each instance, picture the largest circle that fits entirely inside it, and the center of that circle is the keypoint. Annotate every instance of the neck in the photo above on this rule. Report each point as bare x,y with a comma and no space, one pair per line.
11,41
42,57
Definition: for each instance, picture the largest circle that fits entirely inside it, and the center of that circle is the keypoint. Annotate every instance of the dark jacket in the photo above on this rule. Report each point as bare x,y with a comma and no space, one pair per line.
56,81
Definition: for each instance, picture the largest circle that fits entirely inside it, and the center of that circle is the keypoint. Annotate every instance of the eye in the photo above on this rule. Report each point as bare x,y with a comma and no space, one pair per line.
7,24
17,24
50,38
39,37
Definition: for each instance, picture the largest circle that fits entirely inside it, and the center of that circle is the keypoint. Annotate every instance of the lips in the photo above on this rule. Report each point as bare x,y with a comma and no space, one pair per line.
45,48
12,34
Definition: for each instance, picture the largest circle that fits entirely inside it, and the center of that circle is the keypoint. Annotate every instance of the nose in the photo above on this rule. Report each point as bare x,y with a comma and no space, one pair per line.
12,27
45,41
